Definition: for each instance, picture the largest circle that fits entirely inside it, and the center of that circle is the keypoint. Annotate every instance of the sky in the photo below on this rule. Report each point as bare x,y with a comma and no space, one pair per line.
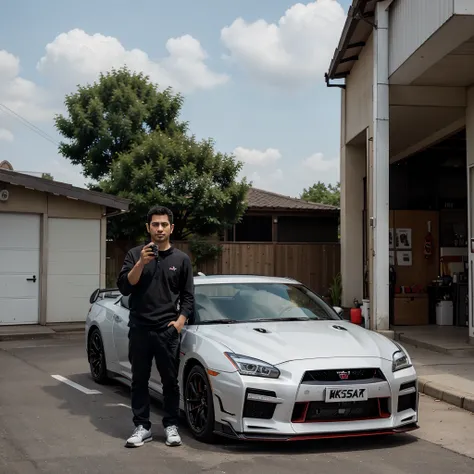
251,73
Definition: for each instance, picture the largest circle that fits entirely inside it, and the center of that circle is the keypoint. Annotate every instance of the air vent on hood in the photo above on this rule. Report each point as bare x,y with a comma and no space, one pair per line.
262,330
339,328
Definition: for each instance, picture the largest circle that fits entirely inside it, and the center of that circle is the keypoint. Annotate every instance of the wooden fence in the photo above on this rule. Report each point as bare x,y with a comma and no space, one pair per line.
315,265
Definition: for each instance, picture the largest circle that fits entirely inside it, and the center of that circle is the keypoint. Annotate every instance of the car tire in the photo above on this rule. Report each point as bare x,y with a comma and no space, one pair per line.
197,378
96,357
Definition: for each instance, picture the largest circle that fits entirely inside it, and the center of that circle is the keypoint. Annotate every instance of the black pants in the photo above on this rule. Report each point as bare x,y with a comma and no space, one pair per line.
144,346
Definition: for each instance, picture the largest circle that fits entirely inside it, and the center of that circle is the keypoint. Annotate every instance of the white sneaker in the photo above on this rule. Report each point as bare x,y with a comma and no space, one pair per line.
172,436
139,437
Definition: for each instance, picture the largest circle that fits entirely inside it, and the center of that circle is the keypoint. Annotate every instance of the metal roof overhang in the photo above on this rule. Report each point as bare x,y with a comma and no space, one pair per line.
114,204
356,31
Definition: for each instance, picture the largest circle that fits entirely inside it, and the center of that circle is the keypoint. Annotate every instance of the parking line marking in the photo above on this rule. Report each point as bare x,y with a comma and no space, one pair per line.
40,346
118,405
75,385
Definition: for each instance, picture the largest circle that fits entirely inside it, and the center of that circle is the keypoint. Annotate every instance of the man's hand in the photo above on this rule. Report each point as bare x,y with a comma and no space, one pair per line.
179,324
146,255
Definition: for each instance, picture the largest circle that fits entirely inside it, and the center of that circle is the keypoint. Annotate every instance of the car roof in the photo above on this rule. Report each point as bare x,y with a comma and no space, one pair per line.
221,279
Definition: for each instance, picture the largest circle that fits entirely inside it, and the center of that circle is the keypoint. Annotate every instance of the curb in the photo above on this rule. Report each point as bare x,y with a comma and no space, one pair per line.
446,394
461,352
39,335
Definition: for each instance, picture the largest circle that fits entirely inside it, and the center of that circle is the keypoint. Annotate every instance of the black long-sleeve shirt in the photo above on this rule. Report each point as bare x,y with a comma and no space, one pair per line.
165,289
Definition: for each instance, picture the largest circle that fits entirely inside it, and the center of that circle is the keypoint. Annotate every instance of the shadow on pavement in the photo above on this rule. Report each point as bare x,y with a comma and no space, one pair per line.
114,420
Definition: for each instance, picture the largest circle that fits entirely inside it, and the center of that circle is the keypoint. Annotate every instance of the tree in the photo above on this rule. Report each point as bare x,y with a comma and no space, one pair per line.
323,194
47,176
128,138
112,116
179,172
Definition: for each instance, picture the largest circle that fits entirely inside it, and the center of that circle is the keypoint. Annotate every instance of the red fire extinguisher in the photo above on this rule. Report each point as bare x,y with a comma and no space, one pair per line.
356,313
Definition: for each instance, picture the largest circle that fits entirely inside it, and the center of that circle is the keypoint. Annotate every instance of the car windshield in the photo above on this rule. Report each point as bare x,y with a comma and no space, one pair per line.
247,302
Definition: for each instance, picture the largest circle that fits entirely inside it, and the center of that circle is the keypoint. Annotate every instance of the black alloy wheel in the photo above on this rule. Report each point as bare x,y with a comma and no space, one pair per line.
96,357
199,405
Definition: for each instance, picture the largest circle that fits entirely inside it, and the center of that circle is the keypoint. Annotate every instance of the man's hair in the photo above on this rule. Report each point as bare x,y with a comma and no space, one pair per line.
159,211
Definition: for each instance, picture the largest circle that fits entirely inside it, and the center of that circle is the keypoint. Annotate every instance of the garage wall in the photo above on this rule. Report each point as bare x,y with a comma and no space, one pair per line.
411,23
72,251
358,94
26,200
73,267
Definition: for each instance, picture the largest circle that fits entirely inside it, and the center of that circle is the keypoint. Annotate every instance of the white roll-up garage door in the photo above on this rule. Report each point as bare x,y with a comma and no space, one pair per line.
73,268
19,268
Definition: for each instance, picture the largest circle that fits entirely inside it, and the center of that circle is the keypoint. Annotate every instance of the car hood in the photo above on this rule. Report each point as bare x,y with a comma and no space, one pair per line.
279,342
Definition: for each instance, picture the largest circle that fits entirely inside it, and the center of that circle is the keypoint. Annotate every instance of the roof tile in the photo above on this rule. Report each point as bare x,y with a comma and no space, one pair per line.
259,198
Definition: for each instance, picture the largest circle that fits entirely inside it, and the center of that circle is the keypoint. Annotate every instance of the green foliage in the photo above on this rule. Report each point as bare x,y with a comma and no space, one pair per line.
112,116
184,174
323,194
47,176
203,250
127,137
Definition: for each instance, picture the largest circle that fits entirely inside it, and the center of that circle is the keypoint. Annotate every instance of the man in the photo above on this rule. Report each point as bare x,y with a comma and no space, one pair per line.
162,298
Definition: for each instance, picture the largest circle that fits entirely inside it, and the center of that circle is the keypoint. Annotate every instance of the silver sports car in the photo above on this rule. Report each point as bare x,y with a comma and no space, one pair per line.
265,358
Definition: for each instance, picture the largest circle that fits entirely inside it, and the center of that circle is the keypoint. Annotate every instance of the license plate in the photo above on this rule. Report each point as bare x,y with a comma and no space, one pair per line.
346,394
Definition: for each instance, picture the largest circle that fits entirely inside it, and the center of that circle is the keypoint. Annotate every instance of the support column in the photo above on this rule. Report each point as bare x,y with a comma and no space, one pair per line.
353,166
470,202
381,165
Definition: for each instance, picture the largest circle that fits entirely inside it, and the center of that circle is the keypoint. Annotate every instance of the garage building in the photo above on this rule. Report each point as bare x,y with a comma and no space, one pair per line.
406,73
52,248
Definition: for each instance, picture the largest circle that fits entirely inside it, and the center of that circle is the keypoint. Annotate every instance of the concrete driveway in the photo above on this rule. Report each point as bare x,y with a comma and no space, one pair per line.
48,425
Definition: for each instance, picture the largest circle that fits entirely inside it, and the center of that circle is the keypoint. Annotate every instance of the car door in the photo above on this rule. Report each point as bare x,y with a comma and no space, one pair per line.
120,335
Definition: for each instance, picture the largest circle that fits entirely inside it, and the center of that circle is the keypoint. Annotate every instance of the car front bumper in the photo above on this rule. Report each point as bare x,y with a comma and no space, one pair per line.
294,408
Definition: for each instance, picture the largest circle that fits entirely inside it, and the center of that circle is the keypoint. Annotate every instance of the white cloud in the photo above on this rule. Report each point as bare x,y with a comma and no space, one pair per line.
317,163
269,181
291,176
259,166
18,95
6,135
77,56
293,51
257,157
317,167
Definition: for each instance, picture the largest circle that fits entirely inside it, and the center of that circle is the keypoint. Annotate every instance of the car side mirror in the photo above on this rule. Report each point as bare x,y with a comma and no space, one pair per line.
338,310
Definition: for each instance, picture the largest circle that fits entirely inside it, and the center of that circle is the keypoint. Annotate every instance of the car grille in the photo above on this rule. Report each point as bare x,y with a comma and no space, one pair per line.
344,375
310,412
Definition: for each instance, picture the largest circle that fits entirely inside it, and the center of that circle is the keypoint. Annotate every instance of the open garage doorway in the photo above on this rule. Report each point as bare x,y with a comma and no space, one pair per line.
429,228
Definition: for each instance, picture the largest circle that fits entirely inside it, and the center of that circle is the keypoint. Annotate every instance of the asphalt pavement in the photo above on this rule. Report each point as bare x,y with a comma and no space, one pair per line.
55,419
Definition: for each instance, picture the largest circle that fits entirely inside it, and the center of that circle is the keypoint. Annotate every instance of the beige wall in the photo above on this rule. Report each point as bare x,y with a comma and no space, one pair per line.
470,126
23,200
353,171
26,200
358,94
356,129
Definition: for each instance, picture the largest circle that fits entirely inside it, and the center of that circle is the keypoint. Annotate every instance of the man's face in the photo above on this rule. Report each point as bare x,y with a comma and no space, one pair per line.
160,229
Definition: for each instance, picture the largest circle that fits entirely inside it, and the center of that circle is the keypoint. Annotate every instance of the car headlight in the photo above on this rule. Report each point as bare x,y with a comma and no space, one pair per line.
400,359
253,367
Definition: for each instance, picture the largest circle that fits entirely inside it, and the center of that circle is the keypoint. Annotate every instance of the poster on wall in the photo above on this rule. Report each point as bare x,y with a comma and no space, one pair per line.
390,237
404,258
391,255
403,239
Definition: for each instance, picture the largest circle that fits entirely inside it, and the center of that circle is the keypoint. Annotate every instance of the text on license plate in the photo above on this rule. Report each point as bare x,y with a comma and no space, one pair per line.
347,394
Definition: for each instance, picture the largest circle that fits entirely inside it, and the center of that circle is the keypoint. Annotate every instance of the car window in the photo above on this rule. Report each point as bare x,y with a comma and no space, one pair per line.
263,301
